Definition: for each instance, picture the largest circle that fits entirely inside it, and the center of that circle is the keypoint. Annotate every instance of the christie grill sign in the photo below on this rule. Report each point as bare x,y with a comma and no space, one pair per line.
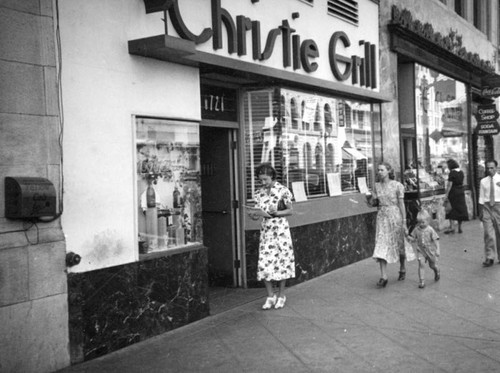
487,123
297,53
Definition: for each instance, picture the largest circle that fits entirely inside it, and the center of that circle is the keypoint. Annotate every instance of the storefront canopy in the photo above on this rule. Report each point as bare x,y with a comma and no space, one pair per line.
351,153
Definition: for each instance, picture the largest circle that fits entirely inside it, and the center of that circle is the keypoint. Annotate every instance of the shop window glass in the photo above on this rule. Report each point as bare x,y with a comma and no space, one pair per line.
320,155
295,114
440,132
168,184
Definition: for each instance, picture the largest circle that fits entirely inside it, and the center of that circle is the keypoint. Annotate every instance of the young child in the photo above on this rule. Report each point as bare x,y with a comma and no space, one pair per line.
426,241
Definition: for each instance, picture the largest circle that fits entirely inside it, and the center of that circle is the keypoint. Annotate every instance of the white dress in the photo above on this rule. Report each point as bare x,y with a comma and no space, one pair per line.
276,257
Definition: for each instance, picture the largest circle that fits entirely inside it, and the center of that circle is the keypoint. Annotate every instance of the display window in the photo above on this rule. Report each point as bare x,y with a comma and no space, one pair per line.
440,132
321,146
168,184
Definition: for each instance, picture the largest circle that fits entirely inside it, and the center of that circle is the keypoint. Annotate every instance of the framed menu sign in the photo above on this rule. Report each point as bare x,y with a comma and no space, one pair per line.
218,103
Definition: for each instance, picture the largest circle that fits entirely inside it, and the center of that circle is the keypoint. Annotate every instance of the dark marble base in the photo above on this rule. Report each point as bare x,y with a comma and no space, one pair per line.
320,248
118,306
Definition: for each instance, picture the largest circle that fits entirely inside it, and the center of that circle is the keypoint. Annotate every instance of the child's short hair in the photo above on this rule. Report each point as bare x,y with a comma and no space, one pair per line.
423,215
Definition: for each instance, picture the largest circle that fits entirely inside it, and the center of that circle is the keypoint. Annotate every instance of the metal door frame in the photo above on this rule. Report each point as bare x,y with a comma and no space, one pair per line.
234,160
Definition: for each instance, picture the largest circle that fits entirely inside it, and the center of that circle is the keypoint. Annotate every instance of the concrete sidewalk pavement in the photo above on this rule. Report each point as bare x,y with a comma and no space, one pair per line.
341,322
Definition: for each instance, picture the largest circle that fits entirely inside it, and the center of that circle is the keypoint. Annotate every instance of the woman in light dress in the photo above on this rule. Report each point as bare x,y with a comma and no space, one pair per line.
390,243
276,258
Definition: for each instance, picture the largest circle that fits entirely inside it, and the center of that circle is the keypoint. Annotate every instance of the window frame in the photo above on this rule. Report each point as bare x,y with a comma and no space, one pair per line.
311,152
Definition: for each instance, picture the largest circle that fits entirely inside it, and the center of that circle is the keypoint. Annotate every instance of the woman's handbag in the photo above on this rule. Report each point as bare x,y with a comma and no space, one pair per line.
281,205
447,206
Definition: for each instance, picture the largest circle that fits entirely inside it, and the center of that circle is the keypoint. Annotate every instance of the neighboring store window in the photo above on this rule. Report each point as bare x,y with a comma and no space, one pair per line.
168,184
321,146
441,132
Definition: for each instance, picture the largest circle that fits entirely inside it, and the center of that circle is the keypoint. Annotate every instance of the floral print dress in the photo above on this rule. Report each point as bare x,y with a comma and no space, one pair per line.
276,258
426,243
390,240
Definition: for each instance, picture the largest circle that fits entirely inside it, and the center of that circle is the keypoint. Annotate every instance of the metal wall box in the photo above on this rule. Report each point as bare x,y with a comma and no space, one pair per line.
29,197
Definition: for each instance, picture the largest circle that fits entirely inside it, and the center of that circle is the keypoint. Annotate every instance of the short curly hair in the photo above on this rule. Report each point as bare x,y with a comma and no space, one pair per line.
266,169
452,164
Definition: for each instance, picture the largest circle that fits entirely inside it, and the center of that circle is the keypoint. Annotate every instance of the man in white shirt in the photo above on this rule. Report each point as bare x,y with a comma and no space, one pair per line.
489,212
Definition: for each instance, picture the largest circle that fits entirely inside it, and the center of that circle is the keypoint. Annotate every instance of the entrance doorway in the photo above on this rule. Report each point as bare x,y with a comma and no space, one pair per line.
219,209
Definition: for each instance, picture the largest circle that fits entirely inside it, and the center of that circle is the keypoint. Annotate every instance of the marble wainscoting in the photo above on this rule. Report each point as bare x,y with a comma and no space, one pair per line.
114,307
321,247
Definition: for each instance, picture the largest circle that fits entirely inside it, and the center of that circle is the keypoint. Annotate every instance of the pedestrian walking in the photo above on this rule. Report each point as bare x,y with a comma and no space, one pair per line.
456,196
489,212
276,258
426,241
390,243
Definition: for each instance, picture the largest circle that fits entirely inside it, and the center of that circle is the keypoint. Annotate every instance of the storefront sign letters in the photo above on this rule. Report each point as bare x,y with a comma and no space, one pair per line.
218,103
487,116
490,92
451,42
486,113
297,53
488,128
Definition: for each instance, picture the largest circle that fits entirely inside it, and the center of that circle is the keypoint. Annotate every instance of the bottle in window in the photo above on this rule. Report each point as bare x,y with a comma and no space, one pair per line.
176,197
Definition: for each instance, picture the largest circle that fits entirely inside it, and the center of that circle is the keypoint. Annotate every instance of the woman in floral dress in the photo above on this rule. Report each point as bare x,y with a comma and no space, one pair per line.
276,258
388,195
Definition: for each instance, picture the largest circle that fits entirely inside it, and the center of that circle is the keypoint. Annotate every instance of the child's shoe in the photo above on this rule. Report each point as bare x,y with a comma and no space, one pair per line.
421,285
437,274
280,303
270,302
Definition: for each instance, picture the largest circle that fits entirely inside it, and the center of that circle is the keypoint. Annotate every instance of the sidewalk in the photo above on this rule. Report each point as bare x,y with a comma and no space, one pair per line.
341,322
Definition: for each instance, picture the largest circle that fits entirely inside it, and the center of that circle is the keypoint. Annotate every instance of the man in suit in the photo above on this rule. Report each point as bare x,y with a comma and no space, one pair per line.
489,212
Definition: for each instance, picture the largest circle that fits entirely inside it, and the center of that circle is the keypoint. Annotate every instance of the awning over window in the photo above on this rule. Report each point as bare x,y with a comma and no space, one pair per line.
351,153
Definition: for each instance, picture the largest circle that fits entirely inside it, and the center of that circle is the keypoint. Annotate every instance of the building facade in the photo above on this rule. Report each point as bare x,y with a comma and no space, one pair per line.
438,60
33,281
149,117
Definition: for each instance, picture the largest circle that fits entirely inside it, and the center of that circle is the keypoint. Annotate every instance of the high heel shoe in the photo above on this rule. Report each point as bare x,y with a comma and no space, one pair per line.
382,282
437,275
402,275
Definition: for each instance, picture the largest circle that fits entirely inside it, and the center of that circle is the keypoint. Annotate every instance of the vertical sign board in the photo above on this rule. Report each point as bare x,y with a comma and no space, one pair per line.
487,123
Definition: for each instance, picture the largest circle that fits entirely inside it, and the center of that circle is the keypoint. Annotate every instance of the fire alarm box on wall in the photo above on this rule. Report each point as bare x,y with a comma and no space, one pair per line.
29,197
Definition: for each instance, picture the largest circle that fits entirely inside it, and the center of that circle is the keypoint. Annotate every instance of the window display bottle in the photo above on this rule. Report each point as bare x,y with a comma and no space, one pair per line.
176,197
151,218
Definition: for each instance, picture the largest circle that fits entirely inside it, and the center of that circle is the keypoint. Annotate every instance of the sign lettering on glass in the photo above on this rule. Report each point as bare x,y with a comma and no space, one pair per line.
218,103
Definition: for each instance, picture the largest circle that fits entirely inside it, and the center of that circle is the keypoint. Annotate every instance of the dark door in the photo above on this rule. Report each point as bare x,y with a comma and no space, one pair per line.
218,194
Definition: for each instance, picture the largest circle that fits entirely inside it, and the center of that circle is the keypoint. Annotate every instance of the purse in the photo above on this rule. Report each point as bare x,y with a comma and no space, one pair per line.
281,205
447,206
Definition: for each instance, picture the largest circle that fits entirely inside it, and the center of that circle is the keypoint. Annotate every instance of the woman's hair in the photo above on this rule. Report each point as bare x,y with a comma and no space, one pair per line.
423,215
452,164
389,168
266,169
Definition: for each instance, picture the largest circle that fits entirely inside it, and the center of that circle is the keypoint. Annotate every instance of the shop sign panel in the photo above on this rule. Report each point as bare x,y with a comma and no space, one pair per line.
218,103
490,92
487,123
263,38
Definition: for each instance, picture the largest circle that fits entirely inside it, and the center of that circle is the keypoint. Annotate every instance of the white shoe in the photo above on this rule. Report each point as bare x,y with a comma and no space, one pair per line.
280,303
270,302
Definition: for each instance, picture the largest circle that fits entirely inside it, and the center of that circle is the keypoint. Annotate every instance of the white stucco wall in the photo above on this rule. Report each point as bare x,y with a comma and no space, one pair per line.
103,87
